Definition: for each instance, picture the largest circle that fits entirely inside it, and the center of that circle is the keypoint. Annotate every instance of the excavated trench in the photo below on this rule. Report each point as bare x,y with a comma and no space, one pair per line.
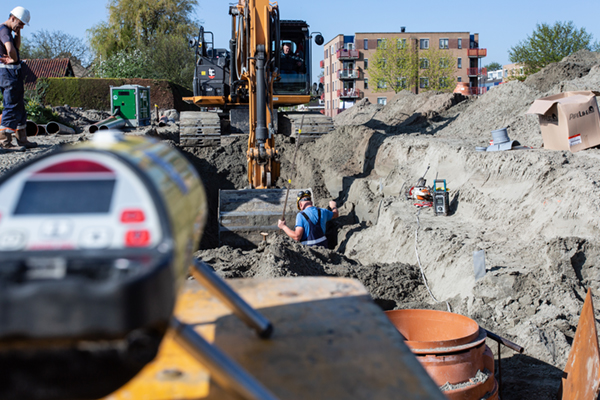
534,213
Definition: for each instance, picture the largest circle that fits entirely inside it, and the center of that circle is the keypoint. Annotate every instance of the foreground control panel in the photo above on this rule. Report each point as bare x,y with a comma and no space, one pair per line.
94,241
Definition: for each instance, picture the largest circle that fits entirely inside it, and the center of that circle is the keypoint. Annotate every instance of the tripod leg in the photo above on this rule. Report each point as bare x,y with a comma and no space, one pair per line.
226,372
220,289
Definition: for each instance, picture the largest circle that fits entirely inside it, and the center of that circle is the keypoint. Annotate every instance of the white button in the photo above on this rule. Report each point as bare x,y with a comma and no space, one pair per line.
95,238
12,240
56,229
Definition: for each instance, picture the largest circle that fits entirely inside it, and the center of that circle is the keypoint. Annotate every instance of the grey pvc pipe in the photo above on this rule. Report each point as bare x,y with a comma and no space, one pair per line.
54,127
94,128
116,124
31,129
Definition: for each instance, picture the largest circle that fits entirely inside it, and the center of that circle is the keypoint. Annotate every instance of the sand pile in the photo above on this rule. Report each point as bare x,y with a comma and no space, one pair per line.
535,213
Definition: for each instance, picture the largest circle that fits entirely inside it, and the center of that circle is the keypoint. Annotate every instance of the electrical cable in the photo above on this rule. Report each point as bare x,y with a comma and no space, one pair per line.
419,262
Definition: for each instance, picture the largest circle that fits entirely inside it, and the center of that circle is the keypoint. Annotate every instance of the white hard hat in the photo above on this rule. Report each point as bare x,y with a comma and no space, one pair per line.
22,14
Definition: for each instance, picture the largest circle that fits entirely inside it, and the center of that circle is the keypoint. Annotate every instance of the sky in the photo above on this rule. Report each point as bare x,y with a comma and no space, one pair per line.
500,24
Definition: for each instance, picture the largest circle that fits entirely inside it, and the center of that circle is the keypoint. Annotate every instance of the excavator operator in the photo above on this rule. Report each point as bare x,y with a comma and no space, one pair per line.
289,62
311,221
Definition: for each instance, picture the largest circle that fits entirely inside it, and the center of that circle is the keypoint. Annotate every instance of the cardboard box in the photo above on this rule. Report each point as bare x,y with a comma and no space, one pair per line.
569,121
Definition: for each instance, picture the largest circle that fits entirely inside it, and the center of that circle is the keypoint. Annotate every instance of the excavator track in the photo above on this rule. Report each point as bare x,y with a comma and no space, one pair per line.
314,125
199,129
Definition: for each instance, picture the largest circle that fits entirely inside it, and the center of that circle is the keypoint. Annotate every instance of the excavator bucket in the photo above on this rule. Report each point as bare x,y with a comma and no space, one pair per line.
581,378
247,217
312,124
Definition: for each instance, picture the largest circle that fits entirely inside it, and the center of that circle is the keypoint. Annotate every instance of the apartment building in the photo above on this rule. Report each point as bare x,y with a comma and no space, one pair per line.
346,64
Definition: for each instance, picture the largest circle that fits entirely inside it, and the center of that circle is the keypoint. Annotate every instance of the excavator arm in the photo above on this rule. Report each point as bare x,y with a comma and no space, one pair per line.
257,24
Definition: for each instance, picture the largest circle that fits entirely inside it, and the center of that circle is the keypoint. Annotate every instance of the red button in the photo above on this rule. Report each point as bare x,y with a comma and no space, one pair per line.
137,238
132,216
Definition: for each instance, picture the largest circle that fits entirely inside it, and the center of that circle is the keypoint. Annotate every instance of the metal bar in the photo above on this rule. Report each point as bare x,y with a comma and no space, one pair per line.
505,342
220,289
225,371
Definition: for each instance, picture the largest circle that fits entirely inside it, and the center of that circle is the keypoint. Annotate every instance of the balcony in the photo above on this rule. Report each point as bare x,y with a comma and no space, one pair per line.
323,96
476,71
322,79
348,74
478,90
348,93
343,54
322,64
477,53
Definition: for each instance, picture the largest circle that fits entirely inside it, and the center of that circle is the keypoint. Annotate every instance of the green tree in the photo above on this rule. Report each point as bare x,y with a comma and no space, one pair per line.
146,39
493,66
125,64
399,65
439,73
393,66
549,44
55,44
136,23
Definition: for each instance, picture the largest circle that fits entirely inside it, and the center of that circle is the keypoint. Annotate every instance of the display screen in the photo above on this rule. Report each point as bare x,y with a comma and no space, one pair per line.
66,197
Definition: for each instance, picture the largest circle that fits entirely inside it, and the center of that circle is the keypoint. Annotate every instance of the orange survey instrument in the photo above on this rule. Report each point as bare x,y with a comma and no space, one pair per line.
581,379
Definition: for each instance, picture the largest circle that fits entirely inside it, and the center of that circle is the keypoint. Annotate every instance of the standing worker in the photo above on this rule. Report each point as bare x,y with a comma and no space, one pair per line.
14,116
310,221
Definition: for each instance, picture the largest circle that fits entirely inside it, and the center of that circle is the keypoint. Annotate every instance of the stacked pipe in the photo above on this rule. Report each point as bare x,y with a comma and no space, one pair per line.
50,128
452,349
112,122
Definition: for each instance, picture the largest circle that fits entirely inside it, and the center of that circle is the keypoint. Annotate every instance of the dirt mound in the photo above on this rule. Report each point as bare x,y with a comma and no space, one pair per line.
79,118
406,112
533,212
389,284
572,67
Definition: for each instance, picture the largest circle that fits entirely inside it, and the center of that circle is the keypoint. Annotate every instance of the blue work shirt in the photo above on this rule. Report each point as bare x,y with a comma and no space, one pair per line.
311,213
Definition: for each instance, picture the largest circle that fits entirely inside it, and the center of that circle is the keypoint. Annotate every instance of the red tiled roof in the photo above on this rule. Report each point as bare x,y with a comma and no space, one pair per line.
45,68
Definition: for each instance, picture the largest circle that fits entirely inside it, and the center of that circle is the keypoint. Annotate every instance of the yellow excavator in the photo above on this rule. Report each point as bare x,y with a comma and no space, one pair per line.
243,90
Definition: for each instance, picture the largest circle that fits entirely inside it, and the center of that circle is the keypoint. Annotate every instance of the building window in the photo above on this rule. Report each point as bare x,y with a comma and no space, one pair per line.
381,84
327,70
402,83
379,43
459,79
459,63
443,43
382,100
328,104
423,83
327,88
366,44
444,62
444,82
366,63
459,43
326,53
366,84
401,43
424,63
423,44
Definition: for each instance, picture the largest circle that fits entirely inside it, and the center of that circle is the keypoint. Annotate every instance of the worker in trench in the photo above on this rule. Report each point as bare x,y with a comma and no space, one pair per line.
14,116
310,221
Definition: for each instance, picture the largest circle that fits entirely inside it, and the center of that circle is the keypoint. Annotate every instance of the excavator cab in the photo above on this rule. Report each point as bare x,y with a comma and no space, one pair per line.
294,60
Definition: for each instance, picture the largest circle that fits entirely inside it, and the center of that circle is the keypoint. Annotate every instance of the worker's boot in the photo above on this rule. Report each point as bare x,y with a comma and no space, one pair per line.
23,141
6,140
